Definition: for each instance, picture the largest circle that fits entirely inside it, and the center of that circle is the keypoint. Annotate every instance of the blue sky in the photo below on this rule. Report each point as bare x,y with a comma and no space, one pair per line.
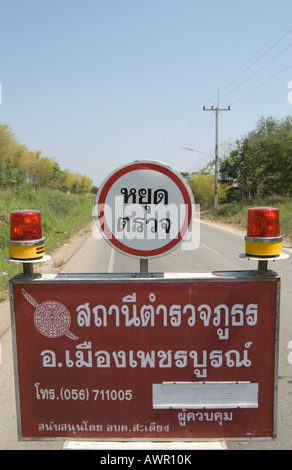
96,84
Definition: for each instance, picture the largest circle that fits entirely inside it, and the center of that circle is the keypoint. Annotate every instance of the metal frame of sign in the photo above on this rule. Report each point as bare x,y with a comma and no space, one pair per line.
196,359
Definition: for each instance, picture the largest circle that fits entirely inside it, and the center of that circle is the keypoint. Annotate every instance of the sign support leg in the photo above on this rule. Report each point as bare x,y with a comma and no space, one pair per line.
28,269
262,266
144,267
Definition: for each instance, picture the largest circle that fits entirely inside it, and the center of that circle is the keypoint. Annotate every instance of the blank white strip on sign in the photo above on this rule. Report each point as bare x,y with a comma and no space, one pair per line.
209,395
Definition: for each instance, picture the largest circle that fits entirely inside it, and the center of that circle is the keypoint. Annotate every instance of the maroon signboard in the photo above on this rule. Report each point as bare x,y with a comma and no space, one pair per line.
162,358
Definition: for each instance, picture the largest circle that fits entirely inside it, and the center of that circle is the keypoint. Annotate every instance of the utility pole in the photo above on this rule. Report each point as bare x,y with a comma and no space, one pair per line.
217,109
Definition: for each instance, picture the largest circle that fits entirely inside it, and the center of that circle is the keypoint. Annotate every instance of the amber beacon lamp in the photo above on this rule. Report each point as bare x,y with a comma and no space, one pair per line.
263,232
26,240
26,243
263,241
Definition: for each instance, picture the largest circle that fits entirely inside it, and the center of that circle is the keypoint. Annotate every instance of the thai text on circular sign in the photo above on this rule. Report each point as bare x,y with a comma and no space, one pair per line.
144,209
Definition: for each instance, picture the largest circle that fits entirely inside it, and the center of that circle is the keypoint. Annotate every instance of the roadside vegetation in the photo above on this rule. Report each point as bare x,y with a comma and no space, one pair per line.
20,165
257,171
236,212
62,216
30,180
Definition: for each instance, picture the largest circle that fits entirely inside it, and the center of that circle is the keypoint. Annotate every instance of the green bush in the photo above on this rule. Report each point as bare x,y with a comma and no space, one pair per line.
236,212
202,186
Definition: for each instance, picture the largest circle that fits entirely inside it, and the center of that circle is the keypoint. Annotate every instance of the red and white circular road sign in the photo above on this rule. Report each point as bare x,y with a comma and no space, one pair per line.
144,209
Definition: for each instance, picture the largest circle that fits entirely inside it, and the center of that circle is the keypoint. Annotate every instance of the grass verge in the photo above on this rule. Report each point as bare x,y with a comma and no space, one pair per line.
62,216
236,213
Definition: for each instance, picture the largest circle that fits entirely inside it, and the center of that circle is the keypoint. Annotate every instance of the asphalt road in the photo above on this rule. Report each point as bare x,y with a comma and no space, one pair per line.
219,249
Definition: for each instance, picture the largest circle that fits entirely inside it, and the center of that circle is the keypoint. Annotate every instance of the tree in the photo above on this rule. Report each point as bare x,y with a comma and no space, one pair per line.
262,161
8,143
9,175
19,164
202,185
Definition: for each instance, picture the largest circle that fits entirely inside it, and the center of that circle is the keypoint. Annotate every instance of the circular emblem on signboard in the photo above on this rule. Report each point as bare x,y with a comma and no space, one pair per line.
51,318
144,209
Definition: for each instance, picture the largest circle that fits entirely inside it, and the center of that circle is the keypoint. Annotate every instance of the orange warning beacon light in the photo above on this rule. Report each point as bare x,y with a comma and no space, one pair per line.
263,232
26,241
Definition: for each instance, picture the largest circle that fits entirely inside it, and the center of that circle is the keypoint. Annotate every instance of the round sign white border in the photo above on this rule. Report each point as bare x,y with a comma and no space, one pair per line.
176,242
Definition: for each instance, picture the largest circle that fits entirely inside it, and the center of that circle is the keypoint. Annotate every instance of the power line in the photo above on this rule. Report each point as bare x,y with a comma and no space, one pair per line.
261,84
185,133
258,58
182,135
259,70
188,129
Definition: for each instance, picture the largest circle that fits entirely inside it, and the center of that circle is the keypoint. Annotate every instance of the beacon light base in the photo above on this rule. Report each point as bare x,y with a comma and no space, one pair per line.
32,261
265,247
282,256
28,250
